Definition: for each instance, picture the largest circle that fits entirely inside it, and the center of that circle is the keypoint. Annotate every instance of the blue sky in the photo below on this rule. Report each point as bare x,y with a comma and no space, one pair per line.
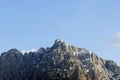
27,24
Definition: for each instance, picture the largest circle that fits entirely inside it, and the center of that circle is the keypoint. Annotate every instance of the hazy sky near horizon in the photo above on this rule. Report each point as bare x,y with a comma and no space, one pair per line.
91,24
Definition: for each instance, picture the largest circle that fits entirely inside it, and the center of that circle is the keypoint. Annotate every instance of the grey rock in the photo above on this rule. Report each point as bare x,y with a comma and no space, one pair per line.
59,62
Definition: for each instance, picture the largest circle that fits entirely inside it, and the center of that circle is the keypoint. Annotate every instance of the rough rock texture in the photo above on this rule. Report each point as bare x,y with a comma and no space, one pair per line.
59,62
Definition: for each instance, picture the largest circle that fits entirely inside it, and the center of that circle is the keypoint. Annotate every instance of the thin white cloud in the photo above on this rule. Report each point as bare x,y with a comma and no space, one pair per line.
32,50
23,51
115,40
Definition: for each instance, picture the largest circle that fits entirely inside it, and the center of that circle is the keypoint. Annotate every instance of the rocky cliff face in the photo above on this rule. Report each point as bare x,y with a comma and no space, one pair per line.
59,62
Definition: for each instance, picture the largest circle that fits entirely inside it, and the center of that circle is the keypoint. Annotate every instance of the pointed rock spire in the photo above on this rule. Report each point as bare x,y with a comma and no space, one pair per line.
59,43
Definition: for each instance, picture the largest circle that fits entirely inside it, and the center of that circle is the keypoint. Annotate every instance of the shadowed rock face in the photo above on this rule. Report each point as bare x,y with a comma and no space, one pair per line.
59,62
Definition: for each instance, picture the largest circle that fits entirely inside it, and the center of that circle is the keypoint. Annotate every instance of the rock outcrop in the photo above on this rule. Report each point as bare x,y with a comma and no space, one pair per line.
59,62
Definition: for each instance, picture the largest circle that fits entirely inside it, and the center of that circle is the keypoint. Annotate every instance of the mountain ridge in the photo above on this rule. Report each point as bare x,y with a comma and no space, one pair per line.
59,62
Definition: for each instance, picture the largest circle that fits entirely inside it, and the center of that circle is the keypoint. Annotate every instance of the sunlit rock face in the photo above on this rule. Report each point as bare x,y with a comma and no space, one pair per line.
59,62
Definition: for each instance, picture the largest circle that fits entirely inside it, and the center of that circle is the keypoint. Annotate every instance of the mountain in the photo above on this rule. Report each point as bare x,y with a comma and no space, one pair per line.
59,62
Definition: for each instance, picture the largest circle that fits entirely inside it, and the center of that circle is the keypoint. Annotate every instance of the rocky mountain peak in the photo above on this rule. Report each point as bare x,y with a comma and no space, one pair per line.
59,62
63,46
13,51
59,43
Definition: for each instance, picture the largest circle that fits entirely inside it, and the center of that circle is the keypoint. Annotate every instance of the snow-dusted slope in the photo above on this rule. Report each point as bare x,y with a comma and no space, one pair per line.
59,62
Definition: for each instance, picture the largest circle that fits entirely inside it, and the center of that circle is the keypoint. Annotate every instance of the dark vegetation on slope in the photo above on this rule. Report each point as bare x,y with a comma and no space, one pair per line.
59,62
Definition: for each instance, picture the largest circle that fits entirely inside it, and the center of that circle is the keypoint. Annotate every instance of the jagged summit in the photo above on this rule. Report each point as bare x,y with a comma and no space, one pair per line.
63,46
59,42
59,62
13,51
